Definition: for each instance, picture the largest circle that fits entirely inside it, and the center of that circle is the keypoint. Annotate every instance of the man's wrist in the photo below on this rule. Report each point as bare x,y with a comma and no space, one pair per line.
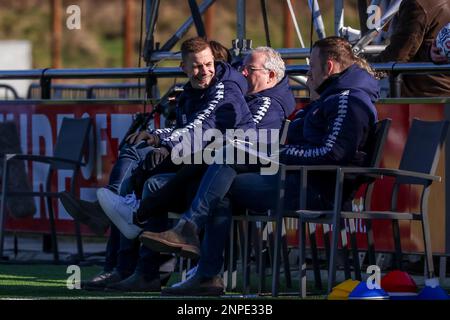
153,140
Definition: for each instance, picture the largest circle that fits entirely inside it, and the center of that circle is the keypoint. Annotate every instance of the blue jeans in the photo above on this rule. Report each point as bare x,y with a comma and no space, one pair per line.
149,260
211,208
220,192
216,231
122,253
223,189
214,186
130,157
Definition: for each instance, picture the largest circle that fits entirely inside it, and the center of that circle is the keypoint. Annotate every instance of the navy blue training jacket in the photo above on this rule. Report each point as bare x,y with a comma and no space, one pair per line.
333,128
272,106
220,106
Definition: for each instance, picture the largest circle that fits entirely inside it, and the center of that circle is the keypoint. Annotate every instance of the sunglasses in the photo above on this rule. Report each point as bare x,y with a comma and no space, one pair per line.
249,69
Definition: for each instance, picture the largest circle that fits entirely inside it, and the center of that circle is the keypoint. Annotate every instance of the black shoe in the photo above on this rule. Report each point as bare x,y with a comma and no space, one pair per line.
88,213
197,286
136,283
100,281
182,239
166,267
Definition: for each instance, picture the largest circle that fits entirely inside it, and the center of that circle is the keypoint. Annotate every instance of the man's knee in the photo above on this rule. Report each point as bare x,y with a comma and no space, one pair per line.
135,151
156,182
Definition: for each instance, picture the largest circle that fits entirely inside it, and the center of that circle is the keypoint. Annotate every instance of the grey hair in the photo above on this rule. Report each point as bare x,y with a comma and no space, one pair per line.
273,62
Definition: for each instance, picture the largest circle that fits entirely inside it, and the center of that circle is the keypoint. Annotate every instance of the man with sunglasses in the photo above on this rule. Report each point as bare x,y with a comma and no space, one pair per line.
213,98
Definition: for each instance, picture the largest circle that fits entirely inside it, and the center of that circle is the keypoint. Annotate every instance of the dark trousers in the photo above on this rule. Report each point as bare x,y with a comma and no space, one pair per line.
122,253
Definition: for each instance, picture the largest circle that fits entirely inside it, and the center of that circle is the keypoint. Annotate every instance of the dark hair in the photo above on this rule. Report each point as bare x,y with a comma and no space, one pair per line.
340,50
193,45
219,51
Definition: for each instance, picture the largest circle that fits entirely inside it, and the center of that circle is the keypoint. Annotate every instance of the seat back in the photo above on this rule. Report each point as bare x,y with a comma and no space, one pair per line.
375,142
22,206
71,140
284,131
422,148
373,149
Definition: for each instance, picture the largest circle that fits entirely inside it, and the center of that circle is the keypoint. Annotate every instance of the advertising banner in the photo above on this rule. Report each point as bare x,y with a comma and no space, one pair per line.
38,126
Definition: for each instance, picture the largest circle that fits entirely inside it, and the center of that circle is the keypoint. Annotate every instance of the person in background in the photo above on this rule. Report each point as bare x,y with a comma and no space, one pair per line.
419,22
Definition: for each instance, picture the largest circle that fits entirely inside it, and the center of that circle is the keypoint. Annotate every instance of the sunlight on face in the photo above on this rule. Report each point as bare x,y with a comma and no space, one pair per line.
253,69
199,67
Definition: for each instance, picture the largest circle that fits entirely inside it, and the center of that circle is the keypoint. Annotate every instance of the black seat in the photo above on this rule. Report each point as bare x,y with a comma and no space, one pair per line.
373,148
67,155
263,223
417,166
421,155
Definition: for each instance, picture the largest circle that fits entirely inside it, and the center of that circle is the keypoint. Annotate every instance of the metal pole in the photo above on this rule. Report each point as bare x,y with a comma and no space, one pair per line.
395,84
3,200
362,11
367,38
196,15
241,6
185,27
338,16
46,86
128,33
266,22
151,15
317,17
297,28
287,53
56,33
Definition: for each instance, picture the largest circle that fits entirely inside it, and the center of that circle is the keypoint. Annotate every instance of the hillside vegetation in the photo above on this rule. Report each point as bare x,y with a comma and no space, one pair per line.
99,43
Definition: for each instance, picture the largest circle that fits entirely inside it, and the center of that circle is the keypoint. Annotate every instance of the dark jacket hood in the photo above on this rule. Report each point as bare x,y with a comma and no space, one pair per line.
278,92
225,72
353,78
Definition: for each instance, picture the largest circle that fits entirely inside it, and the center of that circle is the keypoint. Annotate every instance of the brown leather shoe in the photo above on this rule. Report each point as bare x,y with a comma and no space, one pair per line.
197,286
136,283
100,281
182,239
86,212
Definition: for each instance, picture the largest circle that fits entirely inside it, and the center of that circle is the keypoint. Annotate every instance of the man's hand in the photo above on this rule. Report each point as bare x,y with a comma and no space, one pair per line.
155,157
435,54
134,138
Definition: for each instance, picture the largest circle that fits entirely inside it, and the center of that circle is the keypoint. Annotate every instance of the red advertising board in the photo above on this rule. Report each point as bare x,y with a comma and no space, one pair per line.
411,234
38,125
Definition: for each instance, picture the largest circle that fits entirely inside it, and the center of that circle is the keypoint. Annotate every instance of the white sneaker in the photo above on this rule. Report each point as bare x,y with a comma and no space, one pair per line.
120,210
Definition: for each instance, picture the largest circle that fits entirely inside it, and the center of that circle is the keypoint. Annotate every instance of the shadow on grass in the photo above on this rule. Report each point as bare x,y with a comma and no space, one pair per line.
49,282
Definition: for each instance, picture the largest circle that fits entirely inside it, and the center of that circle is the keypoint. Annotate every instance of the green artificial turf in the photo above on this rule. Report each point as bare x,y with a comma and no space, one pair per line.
39,281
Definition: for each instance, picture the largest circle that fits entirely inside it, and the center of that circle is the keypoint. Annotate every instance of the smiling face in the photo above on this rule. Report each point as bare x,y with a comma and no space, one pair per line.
258,77
199,67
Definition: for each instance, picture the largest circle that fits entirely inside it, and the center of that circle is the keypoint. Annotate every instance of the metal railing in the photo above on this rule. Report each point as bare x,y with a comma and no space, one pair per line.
96,91
45,76
8,93
286,53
